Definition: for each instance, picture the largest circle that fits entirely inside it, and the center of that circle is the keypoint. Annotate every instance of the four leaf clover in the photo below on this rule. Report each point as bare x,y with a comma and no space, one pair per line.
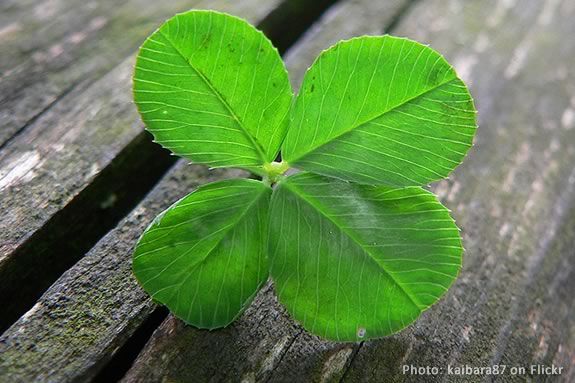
356,248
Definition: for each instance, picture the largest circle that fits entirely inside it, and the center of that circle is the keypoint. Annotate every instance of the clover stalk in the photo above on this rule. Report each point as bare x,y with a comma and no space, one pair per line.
273,171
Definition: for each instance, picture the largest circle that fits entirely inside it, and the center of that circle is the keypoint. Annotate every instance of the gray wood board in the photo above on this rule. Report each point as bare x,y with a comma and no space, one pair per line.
513,197
52,47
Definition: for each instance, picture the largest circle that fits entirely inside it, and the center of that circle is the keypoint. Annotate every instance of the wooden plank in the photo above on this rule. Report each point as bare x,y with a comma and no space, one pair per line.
72,161
8,9
52,47
514,198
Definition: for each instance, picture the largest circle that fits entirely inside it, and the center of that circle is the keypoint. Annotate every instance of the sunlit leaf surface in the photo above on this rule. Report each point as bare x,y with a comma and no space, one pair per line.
356,248
205,257
381,110
353,262
212,88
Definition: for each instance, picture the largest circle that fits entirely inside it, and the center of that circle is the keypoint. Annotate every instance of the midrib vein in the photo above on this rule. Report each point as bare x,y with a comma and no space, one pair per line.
350,235
244,130
310,151
225,232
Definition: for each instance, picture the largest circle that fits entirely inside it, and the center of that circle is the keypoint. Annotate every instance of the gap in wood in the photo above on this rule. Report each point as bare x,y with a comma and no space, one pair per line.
288,22
74,230
389,28
123,359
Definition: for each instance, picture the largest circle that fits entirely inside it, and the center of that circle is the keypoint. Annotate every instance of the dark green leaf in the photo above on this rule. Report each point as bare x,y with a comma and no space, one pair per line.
205,257
212,88
381,110
354,262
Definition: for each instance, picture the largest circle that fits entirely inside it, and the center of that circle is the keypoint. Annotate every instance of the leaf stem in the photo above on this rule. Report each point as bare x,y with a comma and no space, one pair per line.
273,171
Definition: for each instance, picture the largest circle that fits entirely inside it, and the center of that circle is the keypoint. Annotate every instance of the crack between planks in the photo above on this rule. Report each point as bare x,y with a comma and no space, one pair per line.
125,356
72,231
349,364
291,19
399,16
282,356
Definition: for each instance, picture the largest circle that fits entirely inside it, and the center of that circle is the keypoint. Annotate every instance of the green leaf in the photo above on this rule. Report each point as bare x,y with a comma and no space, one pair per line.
353,262
382,111
212,88
205,257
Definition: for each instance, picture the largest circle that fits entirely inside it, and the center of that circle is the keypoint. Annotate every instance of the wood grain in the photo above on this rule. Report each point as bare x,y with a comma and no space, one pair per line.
53,46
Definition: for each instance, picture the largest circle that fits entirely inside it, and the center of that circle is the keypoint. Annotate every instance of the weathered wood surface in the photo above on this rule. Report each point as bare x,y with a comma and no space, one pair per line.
86,155
513,197
50,48
90,312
